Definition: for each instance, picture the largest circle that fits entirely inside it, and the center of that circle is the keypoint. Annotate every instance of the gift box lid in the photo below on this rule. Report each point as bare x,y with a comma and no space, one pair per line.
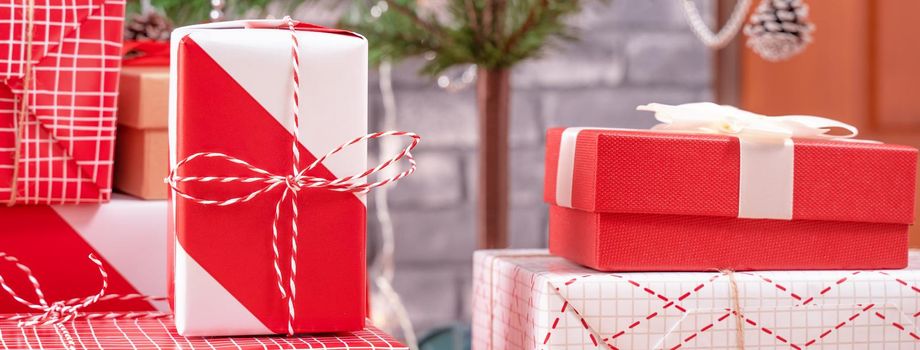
655,172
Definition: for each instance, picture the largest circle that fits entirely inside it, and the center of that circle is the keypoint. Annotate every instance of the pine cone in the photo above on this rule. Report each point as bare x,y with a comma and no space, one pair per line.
150,25
779,29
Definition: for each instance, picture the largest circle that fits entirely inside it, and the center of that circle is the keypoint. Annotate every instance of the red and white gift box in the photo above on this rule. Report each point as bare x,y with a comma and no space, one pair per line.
643,200
66,135
528,299
119,334
230,92
127,234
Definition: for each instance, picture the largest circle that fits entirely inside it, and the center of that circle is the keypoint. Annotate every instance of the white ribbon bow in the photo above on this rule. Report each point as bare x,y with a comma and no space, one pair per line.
711,118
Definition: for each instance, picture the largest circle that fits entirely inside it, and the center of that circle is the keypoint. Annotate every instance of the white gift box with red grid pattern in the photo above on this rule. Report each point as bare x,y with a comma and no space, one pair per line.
527,299
65,152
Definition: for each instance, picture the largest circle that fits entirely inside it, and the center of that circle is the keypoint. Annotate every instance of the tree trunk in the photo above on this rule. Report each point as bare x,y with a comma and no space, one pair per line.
493,95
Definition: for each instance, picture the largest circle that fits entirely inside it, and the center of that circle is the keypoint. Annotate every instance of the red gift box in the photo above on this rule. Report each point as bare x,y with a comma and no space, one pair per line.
650,200
57,99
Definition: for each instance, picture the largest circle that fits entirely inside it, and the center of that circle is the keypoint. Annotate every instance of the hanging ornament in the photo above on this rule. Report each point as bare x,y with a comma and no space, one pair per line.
779,29
726,34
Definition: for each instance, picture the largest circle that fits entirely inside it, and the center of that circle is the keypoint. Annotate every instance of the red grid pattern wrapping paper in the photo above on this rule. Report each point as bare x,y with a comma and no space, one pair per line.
644,200
160,334
68,132
528,299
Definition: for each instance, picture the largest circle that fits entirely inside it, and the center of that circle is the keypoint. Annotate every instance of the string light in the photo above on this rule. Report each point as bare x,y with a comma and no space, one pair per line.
217,10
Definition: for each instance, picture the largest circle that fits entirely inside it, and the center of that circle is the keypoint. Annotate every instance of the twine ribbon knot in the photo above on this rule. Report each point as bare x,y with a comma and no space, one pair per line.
59,312
293,182
24,101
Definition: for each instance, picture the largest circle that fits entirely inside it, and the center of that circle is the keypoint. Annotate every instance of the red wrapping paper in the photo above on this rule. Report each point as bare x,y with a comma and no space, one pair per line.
68,134
160,334
223,256
126,234
645,200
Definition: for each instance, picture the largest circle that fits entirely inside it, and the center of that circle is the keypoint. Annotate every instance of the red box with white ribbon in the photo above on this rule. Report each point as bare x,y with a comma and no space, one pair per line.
54,241
528,299
59,71
764,193
260,248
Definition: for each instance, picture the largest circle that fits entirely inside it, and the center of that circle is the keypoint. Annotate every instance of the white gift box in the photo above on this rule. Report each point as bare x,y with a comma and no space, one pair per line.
127,234
528,299
233,266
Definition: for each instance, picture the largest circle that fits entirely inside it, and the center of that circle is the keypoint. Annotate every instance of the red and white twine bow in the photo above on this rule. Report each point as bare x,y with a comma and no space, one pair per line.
293,182
59,312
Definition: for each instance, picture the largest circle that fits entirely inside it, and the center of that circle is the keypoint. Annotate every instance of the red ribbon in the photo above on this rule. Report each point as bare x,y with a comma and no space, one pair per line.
145,53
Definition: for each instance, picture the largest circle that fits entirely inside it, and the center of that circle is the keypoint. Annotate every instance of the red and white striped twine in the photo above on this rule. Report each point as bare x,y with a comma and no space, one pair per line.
65,310
294,182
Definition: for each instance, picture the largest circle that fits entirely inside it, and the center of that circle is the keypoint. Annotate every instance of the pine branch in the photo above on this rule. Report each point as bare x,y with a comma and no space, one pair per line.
487,19
487,33
498,12
473,19
412,15
525,26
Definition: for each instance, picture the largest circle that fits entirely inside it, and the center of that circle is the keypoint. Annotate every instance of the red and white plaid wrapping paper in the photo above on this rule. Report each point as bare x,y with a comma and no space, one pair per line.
527,299
160,334
66,149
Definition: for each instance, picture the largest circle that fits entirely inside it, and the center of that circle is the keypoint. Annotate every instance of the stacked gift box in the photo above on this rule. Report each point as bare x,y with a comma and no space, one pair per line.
718,229
58,140
222,246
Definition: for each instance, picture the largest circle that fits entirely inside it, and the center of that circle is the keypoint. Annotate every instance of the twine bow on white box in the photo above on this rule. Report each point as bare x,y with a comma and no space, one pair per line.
58,312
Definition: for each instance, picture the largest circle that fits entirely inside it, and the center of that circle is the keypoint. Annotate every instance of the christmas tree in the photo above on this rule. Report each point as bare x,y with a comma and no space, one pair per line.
494,35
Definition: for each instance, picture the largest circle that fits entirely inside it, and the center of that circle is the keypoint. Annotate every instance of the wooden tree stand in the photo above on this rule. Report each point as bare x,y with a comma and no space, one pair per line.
493,93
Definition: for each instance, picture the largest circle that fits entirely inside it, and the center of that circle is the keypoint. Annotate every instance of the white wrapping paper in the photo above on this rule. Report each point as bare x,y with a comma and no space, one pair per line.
527,299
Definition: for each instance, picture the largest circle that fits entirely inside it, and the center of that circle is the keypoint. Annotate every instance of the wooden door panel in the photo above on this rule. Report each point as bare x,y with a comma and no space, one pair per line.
897,64
863,68
828,78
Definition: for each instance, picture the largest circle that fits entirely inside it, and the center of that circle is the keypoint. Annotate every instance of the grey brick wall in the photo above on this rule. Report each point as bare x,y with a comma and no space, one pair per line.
631,52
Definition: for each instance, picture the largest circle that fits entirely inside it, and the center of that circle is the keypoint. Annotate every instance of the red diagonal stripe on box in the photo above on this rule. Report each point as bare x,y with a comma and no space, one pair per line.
238,253
57,255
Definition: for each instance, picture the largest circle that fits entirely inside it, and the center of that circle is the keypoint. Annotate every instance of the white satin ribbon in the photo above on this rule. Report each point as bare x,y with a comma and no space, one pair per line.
767,157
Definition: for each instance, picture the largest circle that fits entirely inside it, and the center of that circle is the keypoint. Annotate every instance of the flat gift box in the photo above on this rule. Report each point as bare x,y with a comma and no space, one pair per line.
528,299
642,200
141,155
127,234
160,334
225,271
67,136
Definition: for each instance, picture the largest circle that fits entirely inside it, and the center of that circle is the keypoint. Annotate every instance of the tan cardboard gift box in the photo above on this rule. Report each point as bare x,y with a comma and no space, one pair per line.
141,156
